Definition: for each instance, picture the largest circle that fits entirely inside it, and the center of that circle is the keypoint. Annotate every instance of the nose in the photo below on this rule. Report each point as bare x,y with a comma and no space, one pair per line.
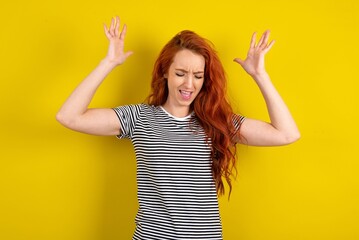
188,82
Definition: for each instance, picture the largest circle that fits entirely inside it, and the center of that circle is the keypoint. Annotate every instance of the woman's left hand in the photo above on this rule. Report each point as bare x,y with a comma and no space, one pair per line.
254,63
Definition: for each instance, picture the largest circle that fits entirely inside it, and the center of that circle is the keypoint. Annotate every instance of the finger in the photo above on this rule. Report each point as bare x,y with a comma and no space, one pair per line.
112,27
106,31
117,25
261,40
253,40
238,60
269,46
129,53
123,33
265,39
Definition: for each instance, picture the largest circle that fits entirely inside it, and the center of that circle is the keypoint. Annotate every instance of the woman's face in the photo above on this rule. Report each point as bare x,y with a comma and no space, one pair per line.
184,79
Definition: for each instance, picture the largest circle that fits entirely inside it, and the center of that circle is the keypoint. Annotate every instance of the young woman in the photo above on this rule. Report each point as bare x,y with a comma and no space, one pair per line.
184,137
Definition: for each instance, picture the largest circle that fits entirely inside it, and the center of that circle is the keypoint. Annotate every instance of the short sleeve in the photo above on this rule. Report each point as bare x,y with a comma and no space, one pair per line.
128,116
237,121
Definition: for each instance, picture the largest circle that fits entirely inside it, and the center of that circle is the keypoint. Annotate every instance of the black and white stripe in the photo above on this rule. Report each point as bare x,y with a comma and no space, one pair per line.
176,192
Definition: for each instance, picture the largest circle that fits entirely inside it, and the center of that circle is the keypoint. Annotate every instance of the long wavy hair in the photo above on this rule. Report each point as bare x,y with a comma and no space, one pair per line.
211,106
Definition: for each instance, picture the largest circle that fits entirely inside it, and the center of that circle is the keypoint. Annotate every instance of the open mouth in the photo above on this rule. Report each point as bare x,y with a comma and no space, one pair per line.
186,95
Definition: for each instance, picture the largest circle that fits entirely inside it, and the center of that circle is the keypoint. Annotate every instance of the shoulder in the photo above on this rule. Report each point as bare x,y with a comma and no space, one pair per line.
137,110
132,116
130,108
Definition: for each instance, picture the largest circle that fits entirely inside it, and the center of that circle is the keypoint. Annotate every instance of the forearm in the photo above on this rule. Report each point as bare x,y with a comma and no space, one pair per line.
279,114
77,103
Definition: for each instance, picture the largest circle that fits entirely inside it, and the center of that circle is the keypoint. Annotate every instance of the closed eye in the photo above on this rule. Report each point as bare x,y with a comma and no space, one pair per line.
179,74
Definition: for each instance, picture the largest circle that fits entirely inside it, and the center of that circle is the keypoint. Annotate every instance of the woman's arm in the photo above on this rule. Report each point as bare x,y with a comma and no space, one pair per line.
282,128
75,113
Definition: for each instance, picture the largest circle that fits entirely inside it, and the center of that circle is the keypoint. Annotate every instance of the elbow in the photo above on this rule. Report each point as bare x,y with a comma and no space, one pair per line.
292,137
61,118
64,120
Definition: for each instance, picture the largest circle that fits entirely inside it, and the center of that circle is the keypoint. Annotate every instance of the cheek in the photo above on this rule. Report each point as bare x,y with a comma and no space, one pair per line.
170,82
199,84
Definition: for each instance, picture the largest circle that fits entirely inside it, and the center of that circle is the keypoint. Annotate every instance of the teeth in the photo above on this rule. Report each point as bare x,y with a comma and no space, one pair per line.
185,93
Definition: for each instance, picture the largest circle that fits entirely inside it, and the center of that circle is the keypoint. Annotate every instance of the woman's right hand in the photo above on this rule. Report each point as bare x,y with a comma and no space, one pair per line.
116,54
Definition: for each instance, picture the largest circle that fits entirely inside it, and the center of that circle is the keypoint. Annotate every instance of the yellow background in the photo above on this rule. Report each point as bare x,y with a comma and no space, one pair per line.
58,184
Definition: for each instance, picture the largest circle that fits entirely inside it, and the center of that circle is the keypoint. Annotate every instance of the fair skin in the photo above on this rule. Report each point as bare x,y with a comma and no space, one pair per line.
282,128
183,87
184,79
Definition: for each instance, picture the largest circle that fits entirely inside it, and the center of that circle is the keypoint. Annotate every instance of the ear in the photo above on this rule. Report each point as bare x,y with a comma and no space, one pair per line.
165,75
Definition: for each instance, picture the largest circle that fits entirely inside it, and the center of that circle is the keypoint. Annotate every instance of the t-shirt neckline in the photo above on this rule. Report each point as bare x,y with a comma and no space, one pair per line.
177,118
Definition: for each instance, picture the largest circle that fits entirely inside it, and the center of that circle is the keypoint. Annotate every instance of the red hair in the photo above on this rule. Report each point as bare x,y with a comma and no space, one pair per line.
211,107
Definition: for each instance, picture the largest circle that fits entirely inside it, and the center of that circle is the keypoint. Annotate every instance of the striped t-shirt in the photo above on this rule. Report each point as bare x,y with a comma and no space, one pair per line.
176,191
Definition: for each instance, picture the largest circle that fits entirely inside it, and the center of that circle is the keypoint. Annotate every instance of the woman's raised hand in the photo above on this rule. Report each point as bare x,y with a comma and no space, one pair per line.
254,63
116,54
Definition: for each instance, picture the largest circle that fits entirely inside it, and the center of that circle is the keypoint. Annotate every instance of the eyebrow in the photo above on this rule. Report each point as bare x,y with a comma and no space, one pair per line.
180,69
